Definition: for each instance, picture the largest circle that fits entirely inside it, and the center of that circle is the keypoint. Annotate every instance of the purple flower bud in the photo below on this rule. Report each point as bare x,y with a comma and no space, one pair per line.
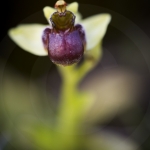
65,41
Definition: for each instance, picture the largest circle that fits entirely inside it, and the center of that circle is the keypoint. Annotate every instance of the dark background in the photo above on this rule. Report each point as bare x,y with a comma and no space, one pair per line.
12,12
138,11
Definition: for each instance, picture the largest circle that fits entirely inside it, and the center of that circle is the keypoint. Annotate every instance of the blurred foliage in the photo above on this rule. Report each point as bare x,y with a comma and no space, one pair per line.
32,122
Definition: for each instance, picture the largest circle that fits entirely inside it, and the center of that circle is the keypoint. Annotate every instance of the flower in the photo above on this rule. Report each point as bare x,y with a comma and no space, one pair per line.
64,41
72,112
28,36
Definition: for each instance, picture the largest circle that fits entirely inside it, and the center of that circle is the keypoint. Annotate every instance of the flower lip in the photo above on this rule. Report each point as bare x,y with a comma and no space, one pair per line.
64,41
65,48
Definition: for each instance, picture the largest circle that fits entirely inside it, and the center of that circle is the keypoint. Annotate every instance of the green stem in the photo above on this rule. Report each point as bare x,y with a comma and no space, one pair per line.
71,107
73,103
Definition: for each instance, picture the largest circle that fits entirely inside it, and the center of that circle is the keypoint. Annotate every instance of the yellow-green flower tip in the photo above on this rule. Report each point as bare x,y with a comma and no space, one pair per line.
48,11
28,37
73,7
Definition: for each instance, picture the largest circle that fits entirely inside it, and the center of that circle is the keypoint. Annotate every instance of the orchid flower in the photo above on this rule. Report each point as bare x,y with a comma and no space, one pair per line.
28,36
71,110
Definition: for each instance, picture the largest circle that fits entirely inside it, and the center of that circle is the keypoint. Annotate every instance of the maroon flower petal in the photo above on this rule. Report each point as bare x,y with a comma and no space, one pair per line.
65,42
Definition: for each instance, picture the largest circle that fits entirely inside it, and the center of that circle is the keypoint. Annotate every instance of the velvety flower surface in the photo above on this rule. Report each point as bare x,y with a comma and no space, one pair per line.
28,36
